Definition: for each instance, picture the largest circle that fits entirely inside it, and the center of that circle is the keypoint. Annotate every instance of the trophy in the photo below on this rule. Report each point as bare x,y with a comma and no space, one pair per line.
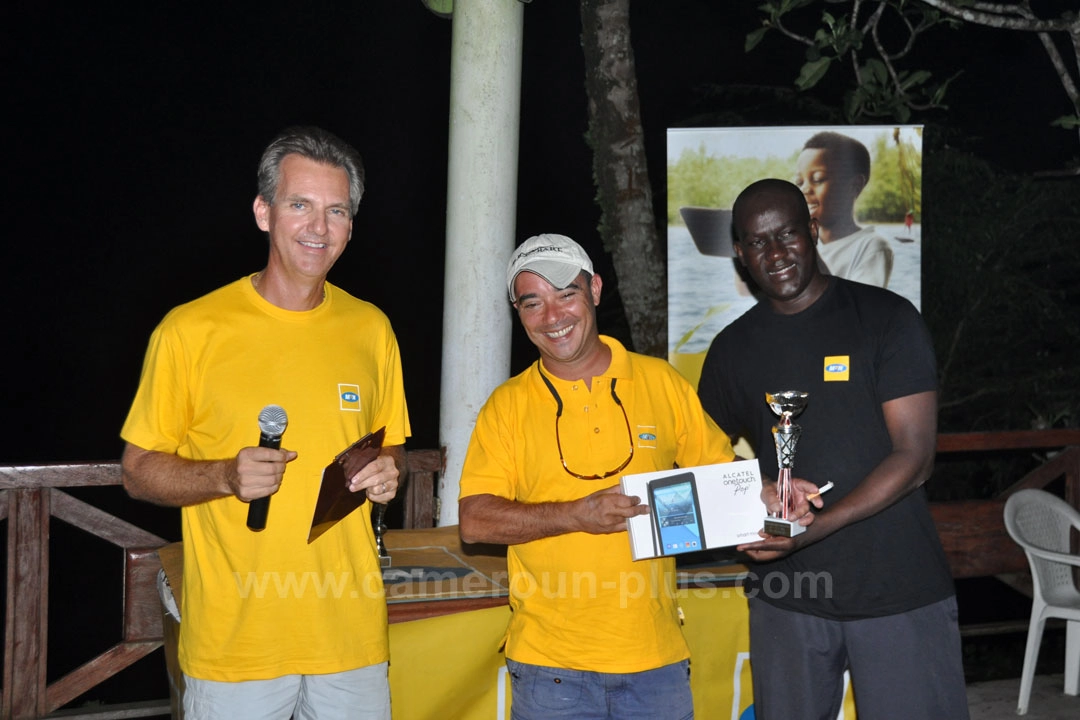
787,404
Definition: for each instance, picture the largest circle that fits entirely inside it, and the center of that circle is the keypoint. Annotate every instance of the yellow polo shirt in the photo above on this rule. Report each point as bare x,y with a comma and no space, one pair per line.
578,600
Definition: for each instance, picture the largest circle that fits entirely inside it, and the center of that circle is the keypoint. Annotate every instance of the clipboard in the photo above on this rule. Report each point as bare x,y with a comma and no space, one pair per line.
335,501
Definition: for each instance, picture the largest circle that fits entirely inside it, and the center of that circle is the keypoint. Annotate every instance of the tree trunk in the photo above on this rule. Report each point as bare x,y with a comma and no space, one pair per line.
627,222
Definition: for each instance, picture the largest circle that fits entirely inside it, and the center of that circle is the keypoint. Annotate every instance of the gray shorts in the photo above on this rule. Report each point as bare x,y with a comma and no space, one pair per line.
903,667
363,693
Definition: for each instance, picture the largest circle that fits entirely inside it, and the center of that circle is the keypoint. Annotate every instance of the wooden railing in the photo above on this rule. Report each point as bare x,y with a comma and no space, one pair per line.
29,497
972,532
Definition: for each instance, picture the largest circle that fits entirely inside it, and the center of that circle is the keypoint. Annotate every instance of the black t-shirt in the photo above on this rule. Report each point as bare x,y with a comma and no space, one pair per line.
855,348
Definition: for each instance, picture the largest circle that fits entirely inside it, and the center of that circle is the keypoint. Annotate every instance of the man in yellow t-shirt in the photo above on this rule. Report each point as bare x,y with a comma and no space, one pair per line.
273,626
592,633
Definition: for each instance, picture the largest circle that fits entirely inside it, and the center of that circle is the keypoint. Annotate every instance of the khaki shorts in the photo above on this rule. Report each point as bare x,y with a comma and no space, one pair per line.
361,694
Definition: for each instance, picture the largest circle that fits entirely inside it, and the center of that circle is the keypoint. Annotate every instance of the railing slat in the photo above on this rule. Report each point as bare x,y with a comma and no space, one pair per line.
1007,440
60,475
142,606
101,668
116,711
973,535
26,637
100,523
420,490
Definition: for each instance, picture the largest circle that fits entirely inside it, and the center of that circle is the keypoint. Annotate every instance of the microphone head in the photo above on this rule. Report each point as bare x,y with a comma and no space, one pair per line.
273,420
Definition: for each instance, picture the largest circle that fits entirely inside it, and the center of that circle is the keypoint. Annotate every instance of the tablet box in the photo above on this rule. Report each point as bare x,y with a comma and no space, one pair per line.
696,508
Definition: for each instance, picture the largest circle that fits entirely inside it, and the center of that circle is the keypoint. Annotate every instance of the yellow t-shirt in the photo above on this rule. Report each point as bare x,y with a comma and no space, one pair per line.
259,605
578,600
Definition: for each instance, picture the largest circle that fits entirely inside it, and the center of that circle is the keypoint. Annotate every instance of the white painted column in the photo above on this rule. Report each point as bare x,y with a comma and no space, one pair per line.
485,82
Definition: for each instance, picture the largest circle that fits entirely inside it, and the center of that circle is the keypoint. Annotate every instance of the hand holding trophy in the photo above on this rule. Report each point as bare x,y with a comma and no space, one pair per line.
786,404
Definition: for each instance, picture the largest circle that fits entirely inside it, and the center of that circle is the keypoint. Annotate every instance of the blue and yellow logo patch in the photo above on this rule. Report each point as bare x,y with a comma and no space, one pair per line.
837,368
646,436
349,397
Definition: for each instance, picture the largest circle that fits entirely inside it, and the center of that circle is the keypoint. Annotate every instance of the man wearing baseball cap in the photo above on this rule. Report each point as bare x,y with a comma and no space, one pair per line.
592,633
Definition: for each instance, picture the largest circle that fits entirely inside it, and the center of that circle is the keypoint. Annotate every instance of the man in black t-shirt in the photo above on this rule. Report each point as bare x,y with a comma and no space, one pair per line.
867,587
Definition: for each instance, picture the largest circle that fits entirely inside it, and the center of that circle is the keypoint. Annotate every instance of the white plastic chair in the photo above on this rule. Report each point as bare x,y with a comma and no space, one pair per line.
1040,522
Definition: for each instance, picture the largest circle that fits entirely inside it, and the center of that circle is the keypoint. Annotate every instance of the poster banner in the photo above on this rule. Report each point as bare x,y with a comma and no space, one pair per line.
862,183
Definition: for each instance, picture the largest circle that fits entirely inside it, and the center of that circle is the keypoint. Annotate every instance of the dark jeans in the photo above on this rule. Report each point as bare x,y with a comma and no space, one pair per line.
545,693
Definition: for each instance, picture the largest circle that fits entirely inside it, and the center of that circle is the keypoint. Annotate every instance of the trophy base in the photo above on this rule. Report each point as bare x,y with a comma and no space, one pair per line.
783,528
384,561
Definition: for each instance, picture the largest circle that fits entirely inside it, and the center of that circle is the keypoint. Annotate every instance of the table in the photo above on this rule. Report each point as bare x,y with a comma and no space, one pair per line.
448,611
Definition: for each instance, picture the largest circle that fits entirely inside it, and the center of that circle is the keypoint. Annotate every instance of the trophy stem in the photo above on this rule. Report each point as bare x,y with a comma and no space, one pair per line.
787,438
787,494
787,404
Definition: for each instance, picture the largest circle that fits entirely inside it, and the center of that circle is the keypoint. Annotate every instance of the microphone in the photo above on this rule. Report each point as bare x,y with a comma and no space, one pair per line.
272,424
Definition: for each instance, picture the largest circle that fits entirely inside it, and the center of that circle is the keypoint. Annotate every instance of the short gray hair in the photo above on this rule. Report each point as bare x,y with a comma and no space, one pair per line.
314,144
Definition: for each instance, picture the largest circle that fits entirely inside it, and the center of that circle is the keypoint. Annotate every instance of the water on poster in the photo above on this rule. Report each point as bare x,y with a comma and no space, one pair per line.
703,296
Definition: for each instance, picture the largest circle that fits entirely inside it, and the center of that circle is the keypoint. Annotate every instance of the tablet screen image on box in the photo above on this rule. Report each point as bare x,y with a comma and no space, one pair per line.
713,506
676,514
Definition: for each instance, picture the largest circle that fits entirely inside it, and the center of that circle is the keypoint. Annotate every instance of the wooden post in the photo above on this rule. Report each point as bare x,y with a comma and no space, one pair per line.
26,621
423,465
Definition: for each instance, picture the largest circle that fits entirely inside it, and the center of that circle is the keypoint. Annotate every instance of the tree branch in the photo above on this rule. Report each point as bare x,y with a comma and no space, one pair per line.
885,57
994,15
793,35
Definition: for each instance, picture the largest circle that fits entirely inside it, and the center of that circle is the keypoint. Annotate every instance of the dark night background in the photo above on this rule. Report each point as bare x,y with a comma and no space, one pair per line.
136,131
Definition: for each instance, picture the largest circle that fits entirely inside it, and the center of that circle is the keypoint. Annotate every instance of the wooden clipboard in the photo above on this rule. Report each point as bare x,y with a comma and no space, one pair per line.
335,501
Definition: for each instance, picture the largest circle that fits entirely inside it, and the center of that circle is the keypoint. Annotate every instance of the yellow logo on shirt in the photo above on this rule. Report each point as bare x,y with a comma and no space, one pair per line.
837,368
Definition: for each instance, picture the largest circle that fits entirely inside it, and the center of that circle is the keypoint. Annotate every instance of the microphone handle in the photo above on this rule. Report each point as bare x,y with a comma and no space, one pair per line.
260,507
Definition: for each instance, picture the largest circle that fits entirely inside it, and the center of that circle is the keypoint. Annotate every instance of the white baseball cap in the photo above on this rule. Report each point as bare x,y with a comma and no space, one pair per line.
556,258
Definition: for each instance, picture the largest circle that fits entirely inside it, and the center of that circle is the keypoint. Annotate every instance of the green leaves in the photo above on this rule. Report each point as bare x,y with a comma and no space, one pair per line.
812,72
754,38
882,86
839,35
1069,122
